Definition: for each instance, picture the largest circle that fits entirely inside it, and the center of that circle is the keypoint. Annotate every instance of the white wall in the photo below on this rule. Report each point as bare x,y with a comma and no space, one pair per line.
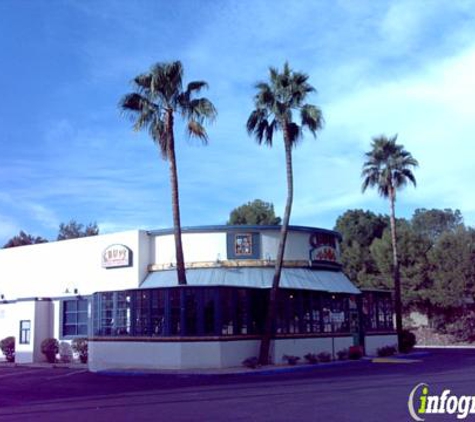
297,247
43,327
205,247
197,247
23,311
8,323
47,270
300,347
110,355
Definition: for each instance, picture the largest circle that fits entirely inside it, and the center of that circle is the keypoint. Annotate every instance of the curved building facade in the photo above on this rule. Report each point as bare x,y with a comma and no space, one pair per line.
121,291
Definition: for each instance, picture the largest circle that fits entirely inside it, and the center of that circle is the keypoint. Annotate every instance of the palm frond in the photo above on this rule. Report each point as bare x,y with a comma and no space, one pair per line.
196,129
200,109
196,86
388,166
311,117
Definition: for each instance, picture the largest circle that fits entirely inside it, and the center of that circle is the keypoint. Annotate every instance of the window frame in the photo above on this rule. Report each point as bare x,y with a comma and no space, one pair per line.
25,333
77,322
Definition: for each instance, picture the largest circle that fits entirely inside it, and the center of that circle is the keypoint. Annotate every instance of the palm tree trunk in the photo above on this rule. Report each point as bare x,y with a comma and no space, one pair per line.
396,274
180,262
274,292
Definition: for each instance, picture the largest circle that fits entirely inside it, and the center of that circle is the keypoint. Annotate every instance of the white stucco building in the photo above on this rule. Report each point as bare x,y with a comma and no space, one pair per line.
120,290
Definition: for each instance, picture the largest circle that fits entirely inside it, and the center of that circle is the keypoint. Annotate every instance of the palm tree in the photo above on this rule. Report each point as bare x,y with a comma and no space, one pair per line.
388,168
157,97
275,105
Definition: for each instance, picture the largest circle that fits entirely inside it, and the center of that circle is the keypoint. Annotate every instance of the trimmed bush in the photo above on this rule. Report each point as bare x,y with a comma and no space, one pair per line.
7,345
386,351
324,357
291,360
408,341
342,354
50,348
251,362
80,346
311,358
355,352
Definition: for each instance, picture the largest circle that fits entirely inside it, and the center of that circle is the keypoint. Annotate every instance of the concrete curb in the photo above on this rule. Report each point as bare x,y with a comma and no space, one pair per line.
238,371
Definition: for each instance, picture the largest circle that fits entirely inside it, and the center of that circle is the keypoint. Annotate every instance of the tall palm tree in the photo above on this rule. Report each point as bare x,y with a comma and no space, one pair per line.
388,168
157,97
276,103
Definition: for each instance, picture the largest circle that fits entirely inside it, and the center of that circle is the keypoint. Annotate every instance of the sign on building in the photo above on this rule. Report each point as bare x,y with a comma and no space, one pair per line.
116,256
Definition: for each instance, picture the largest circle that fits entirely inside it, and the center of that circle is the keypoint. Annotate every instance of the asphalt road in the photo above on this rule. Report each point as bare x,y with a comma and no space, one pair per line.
357,391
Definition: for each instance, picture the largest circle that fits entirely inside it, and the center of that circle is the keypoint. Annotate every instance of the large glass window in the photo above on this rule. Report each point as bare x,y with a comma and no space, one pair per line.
75,318
158,312
210,311
25,331
377,310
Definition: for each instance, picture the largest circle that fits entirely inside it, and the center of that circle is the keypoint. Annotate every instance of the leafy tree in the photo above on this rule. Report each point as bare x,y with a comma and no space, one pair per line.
276,104
256,212
22,239
74,230
414,266
158,96
388,167
358,229
453,270
432,223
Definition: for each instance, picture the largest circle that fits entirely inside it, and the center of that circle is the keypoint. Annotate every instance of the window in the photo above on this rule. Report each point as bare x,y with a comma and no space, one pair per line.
75,318
25,332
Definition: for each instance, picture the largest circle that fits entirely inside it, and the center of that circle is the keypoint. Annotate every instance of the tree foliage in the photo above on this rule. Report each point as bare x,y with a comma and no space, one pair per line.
436,256
432,223
359,229
22,239
256,212
74,230
453,269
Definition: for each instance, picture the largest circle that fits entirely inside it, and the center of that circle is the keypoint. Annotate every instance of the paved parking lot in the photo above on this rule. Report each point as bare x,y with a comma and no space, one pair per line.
360,391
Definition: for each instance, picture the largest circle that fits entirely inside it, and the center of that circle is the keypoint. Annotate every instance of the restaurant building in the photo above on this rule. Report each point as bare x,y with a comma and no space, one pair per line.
121,291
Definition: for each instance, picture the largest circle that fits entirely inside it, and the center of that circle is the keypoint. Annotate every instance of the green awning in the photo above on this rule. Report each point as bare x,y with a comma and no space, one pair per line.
292,278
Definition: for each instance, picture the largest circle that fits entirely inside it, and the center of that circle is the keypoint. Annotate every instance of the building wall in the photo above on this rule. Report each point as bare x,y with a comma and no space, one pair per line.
374,342
43,327
300,347
197,247
136,355
47,270
208,246
8,322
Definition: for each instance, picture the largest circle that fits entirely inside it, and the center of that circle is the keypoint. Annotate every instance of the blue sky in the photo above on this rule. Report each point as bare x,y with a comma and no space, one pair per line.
387,67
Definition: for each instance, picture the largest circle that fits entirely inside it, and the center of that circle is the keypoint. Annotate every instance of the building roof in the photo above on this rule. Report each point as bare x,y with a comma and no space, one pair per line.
233,228
292,278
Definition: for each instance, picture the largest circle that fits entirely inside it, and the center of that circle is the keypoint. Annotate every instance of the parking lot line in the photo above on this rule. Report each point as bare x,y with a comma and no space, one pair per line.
68,374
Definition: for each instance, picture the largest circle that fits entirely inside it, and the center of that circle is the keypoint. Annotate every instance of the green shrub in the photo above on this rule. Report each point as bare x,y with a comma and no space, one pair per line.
80,346
408,341
311,358
342,354
324,357
7,345
291,360
50,348
251,362
355,352
386,351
